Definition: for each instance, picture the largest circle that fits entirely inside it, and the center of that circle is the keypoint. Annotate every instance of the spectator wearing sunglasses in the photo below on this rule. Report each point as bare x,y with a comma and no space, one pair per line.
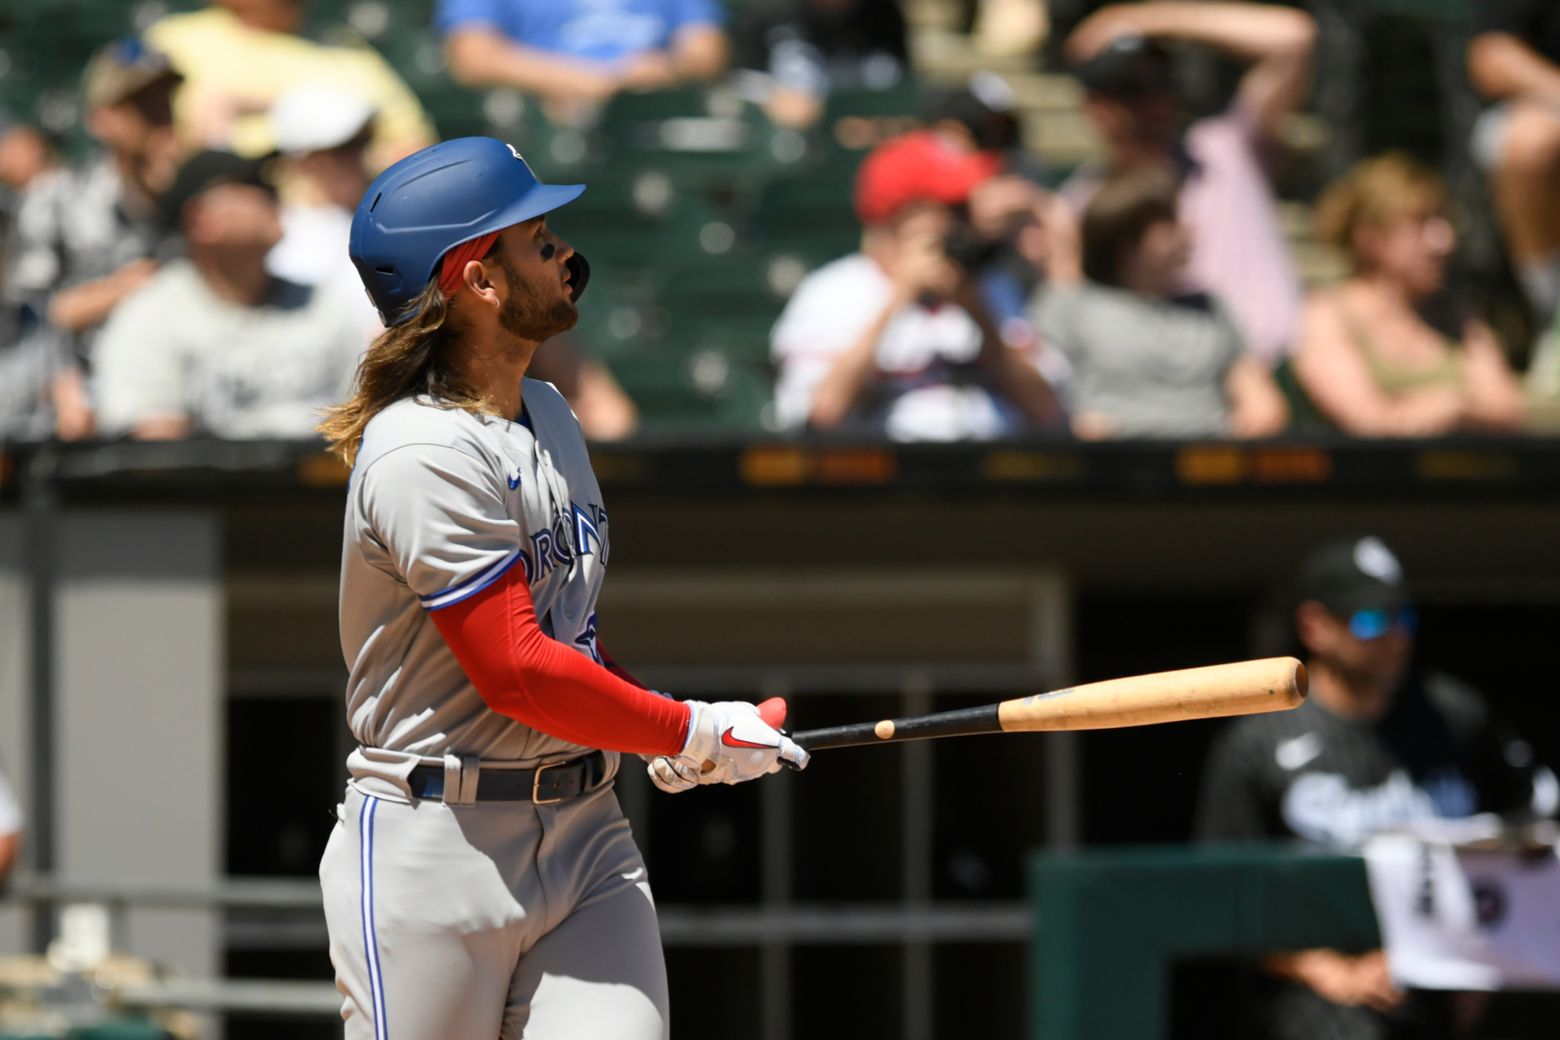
1379,743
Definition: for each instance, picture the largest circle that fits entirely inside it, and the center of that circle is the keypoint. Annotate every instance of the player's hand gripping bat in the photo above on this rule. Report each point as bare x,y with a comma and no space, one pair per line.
1239,688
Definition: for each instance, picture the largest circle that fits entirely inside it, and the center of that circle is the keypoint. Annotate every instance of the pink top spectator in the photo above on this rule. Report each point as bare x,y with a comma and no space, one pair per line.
1238,252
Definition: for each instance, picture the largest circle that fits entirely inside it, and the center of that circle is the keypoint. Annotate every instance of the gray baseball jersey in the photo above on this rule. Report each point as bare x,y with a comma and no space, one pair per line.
441,504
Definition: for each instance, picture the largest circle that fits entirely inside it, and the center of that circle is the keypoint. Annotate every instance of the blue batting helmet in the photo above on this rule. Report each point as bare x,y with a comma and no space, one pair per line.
432,201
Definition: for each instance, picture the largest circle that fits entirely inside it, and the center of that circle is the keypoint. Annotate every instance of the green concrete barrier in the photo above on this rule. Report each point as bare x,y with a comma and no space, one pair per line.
1110,923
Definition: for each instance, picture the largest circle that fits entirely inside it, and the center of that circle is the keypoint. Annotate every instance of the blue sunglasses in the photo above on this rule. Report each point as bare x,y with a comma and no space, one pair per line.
1373,624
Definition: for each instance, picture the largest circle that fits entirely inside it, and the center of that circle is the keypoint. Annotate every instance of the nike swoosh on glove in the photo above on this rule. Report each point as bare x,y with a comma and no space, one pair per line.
739,743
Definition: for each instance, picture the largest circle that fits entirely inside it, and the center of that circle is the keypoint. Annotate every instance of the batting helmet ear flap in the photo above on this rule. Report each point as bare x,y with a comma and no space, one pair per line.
579,275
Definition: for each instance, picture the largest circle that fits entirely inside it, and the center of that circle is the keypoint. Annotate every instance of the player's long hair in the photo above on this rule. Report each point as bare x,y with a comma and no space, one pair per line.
409,359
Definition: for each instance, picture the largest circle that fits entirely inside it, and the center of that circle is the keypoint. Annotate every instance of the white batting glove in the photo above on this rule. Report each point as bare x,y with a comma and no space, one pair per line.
671,775
740,744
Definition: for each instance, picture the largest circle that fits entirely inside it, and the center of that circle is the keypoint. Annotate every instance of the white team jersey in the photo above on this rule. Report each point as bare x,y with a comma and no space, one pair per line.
441,504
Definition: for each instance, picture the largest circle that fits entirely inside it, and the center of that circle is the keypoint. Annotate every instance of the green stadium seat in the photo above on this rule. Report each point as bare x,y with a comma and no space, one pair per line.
642,223
1304,415
709,140
733,296
810,216
617,315
695,389
702,360
903,99
638,108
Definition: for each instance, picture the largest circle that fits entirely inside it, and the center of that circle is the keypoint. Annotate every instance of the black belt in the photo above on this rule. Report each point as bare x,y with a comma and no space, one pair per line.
547,783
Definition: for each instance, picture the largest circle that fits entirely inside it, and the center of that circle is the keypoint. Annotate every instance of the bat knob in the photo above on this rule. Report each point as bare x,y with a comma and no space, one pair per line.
773,712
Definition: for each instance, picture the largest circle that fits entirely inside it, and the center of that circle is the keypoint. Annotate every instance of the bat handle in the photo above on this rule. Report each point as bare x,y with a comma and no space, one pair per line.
772,711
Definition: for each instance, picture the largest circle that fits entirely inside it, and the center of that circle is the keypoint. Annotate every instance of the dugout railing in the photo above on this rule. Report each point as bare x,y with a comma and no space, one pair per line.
289,913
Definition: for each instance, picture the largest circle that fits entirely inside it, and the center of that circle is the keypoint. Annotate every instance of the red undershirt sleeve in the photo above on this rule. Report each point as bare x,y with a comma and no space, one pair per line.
616,669
524,674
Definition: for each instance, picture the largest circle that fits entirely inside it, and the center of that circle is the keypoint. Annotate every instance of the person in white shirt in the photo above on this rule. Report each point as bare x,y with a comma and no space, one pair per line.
214,344
894,340
323,133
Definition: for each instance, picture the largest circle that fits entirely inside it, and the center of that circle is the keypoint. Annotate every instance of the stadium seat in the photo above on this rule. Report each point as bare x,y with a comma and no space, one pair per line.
1304,415
733,295
903,99
809,216
699,388
637,220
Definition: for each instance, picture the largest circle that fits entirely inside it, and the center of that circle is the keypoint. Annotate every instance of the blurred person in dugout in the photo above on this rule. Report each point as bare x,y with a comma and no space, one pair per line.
10,831
1514,65
1390,352
1239,252
1148,358
1380,742
88,236
895,340
790,54
214,344
239,56
577,55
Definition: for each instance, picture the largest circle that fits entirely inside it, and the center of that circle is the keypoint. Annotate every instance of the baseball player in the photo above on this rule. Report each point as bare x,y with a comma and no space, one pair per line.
481,881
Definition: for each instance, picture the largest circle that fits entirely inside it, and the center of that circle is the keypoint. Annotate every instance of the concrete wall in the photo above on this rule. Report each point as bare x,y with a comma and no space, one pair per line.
138,716
15,664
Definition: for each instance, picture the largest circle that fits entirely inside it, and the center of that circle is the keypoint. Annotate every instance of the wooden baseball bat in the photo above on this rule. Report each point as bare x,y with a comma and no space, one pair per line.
1239,688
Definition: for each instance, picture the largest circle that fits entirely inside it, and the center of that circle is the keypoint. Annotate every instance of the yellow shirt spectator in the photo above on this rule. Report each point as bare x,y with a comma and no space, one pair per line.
233,72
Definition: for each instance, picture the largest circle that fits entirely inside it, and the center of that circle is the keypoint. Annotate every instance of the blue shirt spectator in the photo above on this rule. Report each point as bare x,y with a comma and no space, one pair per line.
583,49
597,30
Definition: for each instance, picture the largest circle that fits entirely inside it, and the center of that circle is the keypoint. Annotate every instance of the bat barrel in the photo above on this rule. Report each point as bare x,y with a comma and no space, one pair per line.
1216,691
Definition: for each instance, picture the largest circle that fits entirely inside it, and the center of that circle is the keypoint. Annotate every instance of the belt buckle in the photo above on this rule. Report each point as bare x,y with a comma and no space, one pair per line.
536,783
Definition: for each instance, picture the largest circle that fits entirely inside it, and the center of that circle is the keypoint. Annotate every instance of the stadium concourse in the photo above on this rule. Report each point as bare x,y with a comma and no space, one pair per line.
171,677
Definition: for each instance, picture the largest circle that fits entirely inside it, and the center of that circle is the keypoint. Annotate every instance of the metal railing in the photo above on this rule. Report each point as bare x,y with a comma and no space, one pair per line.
299,903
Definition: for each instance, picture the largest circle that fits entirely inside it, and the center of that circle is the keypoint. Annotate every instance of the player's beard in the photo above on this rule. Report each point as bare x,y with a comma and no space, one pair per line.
533,313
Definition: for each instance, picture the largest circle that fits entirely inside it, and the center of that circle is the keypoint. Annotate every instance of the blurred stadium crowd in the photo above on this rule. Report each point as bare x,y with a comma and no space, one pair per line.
804,214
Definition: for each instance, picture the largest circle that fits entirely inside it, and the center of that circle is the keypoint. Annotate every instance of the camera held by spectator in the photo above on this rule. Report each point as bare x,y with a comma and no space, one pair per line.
895,339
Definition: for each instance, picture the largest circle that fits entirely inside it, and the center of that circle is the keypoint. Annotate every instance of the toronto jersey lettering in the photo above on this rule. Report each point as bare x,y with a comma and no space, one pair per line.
441,504
1311,774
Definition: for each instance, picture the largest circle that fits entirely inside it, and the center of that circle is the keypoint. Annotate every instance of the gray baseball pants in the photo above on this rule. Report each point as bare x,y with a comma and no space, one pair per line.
501,920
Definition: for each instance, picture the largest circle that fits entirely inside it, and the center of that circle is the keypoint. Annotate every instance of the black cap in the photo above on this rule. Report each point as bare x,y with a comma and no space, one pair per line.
1353,574
1129,66
207,169
984,105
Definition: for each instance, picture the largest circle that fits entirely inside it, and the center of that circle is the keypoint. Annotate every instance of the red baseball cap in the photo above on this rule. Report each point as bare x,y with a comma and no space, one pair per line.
918,167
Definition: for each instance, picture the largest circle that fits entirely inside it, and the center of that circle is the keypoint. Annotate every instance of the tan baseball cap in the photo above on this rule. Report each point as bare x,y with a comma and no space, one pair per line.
124,68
